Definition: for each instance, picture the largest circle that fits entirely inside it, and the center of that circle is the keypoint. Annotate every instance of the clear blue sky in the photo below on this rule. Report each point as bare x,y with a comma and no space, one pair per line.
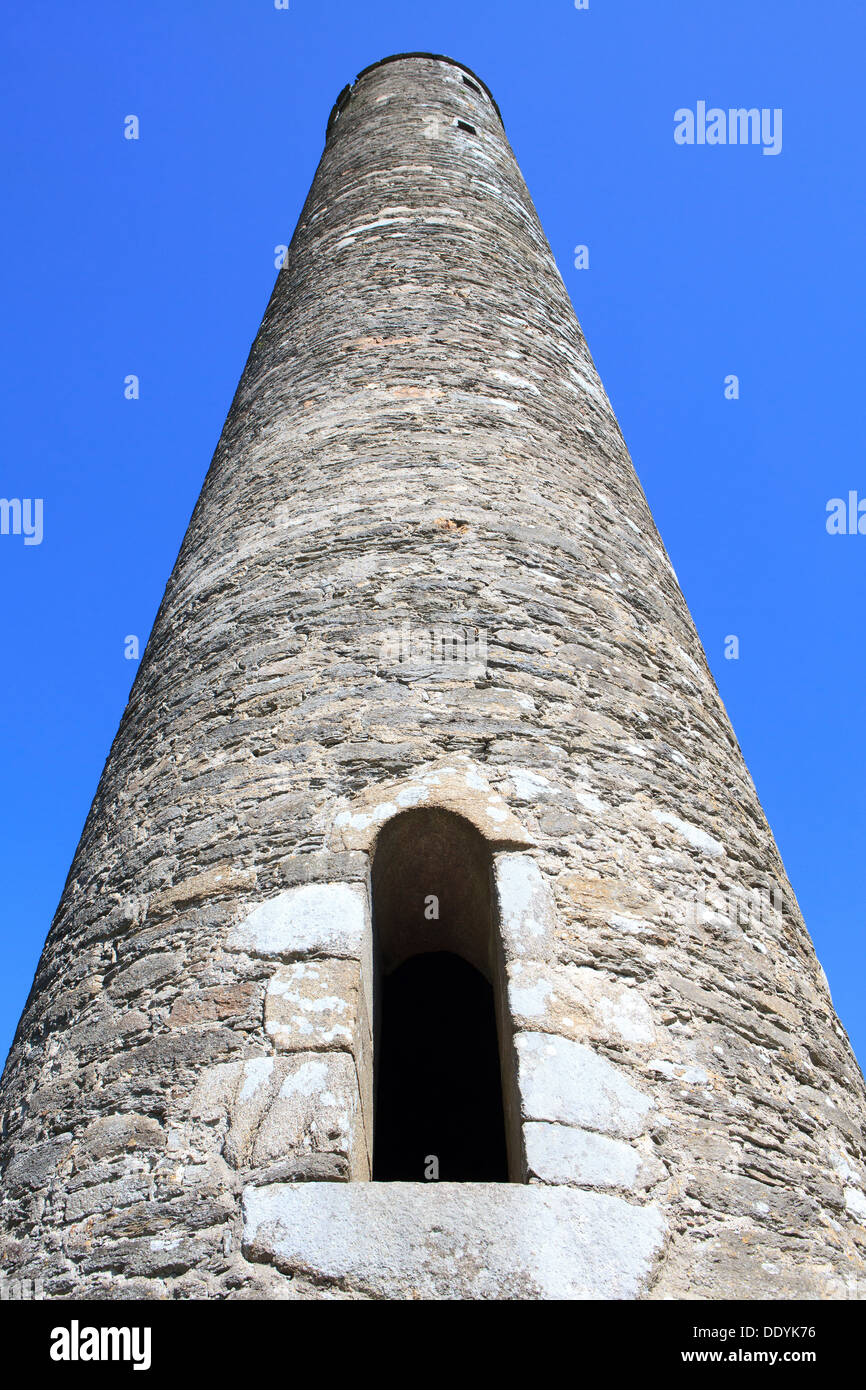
155,257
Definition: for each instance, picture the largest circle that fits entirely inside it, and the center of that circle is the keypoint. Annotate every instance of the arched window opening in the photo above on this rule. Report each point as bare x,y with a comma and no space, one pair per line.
439,1098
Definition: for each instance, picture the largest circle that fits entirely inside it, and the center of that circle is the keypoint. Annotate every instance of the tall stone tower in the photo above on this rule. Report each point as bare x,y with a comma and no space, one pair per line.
426,937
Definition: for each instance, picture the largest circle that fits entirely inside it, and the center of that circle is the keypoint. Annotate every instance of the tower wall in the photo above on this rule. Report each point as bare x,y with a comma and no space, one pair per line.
420,444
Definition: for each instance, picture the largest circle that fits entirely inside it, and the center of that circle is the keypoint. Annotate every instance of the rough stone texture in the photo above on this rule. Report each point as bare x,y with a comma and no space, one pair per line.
316,919
455,785
578,1003
313,1006
454,1240
526,916
420,435
563,1081
267,1109
557,1153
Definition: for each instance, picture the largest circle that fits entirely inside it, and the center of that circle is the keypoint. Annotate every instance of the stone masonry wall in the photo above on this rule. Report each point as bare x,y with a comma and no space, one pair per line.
420,436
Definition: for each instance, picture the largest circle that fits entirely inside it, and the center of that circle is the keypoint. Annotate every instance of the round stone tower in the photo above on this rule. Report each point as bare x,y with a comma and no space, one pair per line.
424,738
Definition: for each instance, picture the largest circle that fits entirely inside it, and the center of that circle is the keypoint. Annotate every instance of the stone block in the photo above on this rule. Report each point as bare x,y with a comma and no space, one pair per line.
314,1006
455,1240
568,1083
582,1158
121,1134
272,1110
526,912
577,1003
325,919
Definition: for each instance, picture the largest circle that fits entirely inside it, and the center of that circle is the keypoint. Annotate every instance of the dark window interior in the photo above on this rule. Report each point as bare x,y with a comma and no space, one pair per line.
439,1091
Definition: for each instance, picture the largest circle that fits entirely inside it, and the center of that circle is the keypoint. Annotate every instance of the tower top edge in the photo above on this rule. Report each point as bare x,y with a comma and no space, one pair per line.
348,90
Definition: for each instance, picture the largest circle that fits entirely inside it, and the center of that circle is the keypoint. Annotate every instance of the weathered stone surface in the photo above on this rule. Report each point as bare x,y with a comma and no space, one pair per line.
577,1003
221,880
564,1081
420,435
455,1240
773,1271
582,1158
269,1110
314,1006
455,785
317,1108
326,919
319,867
35,1168
147,973
120,1134
525,907
237,1002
